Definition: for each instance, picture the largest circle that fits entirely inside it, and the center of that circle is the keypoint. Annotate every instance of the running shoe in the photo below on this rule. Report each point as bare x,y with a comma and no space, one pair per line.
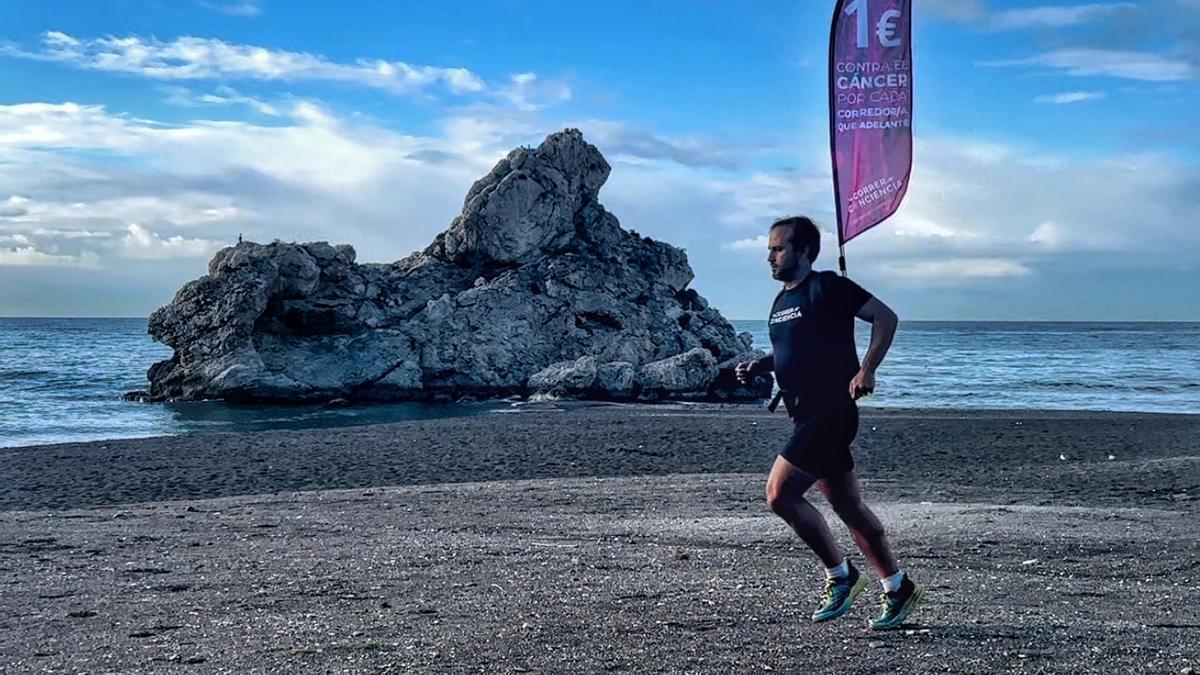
839,595
898,605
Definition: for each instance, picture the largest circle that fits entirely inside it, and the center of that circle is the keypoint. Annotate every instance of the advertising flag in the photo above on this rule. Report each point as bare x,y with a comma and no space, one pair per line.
870,110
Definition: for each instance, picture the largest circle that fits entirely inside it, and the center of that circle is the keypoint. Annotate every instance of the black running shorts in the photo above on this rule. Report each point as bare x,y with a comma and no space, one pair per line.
820,441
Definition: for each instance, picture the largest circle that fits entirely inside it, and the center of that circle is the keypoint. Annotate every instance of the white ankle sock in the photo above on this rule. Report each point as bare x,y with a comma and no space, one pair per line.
840,571
892,583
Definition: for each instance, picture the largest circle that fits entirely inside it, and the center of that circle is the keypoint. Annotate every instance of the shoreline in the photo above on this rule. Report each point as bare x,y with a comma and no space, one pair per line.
491,407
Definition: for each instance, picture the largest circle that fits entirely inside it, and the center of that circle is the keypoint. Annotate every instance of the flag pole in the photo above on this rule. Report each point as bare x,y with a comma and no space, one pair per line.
837,197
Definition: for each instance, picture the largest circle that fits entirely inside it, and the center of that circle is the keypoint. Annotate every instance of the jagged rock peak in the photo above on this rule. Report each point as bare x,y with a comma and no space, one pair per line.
529,205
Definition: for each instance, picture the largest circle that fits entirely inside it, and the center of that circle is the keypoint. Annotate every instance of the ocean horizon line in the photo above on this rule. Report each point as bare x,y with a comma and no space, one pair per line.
763,319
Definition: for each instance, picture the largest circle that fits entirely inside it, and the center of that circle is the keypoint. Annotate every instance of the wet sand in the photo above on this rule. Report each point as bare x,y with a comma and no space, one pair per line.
597,538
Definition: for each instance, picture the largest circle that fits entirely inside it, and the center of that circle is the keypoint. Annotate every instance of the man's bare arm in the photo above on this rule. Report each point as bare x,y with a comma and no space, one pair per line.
883,328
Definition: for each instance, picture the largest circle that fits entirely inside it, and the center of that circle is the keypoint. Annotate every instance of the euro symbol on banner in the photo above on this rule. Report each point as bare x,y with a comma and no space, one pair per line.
885,30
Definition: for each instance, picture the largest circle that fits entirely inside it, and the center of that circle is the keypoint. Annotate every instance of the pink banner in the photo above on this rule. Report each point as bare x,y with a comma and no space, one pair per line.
870,110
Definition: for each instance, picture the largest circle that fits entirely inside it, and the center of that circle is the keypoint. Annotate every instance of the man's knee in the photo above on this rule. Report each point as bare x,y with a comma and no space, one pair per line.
780,502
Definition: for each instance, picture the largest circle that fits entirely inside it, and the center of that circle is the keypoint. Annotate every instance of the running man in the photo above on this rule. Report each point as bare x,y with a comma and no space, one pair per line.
816,366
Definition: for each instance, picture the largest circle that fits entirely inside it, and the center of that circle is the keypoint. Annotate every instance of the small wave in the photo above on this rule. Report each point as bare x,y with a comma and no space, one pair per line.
1110,386
6,375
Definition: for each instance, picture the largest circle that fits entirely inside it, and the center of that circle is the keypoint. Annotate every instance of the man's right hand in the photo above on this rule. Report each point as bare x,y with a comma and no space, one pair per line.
744,372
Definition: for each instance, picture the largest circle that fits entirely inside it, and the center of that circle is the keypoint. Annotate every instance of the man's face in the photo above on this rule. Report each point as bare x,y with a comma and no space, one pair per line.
780,254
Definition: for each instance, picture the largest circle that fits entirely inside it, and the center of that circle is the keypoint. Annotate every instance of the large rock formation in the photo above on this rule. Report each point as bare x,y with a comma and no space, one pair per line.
534,289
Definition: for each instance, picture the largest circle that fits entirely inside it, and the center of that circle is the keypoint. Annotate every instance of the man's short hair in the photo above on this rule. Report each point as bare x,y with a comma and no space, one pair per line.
804,235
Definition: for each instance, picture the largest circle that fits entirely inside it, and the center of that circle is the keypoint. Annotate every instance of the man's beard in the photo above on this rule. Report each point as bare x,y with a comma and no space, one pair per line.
784,273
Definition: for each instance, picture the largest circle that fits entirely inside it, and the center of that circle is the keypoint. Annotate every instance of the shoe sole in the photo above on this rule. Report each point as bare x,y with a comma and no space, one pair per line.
905,612
859,587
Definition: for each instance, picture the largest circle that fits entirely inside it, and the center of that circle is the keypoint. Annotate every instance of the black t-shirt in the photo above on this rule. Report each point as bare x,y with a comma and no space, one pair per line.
812,336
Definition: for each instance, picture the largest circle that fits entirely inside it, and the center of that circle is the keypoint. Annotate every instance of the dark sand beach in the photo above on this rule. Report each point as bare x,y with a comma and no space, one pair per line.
598,538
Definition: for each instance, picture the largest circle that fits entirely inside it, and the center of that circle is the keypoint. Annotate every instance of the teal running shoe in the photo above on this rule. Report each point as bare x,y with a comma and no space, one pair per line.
898,605
839,595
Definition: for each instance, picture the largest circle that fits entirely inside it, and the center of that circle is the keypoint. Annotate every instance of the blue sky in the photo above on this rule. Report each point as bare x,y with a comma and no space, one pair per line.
1057,150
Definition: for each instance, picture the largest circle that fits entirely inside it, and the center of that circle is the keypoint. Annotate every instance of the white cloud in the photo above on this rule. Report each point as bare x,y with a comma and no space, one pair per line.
753,245
247,8
28,256
50,125
526,91
313,176
987,152
761,198
189,58
316,150
1059,238
1130,65
621,142
140,242
955,269
69,234
87,219
222,96
966,223
1056,16
986,209
975,211
484,134
13,207
913,226
1070,97
1048,235
965,11
981,14
18,239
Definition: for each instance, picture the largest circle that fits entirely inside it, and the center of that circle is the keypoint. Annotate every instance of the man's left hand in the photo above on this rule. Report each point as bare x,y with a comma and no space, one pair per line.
862,384
744,372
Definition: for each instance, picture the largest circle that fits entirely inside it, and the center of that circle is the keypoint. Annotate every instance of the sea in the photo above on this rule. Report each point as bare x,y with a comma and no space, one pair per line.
61,379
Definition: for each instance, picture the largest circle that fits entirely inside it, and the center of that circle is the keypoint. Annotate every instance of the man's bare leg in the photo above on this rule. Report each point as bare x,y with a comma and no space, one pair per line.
846,499
901,595
785,497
